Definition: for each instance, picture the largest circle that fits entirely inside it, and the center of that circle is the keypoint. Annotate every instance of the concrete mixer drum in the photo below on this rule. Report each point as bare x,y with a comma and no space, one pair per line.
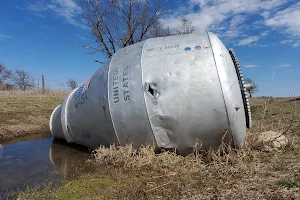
171,92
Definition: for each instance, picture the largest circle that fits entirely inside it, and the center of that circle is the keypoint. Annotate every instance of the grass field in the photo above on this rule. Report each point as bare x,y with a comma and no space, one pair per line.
26,115
248,173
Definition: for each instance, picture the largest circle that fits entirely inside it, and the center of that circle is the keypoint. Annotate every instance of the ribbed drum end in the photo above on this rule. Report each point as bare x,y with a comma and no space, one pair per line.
242,87
55,122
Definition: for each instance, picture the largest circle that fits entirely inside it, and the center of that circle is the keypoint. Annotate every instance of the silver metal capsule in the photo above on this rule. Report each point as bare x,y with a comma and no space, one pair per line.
172,92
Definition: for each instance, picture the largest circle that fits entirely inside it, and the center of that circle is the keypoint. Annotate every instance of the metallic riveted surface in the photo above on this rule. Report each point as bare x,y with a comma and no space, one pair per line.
171,92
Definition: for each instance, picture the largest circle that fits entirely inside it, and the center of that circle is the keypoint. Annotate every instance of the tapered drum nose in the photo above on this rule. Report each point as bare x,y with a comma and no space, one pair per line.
171,92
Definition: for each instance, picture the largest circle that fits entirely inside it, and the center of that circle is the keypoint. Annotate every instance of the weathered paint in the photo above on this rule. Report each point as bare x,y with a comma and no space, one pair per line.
172,92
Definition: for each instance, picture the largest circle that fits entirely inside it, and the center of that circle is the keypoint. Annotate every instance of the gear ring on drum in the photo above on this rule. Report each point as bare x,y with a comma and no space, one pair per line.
242,87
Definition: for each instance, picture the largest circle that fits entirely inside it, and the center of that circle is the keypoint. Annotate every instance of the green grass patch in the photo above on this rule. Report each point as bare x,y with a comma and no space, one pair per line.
91,186
290,183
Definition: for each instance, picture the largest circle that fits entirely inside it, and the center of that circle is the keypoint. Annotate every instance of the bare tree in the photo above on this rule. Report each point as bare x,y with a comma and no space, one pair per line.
4,75
251,86
8,86
23,80
72,84
186,27
157,30
118,23
2,68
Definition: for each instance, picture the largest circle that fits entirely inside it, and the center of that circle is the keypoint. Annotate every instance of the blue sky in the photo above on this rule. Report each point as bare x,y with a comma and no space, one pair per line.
264,33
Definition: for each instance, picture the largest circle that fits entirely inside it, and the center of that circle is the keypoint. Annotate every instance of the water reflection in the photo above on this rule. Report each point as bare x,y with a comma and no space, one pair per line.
30,163
70,160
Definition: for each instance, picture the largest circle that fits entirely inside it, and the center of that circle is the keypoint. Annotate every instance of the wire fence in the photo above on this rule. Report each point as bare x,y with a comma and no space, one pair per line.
56,84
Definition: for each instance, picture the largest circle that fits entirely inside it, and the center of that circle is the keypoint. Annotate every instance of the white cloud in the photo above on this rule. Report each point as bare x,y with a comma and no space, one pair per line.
265,14
39,15
233,19
293,42
36,7
67,9
288,19
296,43
285,65
250,66
265,33
216,11
237,20
81,37
231,33
286,41
29,20
2,36
233,30
248,40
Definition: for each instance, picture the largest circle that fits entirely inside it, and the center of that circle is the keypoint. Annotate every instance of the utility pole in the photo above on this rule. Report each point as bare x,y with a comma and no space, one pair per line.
43,83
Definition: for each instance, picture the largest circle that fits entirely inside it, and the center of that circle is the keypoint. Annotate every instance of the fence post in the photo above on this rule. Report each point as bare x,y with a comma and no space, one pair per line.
43,83
38,84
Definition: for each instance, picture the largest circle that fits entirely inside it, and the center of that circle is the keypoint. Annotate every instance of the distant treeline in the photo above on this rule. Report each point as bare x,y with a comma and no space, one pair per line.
22,80
15,79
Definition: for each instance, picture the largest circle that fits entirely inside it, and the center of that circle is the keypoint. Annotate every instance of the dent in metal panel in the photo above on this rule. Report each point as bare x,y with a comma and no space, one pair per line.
91,120
231,89
126,99
182,92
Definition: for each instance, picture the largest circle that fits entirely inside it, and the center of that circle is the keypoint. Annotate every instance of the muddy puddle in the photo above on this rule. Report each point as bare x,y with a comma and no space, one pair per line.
35,162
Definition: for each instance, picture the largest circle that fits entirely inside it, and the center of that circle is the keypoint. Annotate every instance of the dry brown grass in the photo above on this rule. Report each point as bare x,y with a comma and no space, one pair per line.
24,114
226,173
48,92
129,158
